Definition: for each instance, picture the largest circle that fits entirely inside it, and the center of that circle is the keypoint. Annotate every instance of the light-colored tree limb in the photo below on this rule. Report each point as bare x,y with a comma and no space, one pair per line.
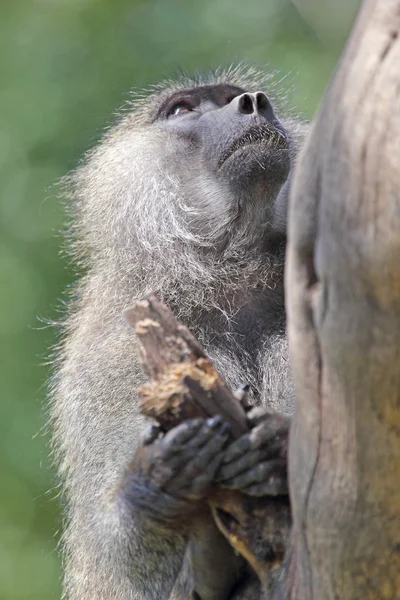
343,301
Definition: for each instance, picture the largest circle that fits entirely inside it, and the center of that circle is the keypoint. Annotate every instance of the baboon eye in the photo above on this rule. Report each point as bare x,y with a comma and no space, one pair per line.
180,108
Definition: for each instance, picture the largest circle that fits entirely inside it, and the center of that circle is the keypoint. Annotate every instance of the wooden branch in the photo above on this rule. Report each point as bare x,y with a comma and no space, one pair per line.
343,301
258,528
183,384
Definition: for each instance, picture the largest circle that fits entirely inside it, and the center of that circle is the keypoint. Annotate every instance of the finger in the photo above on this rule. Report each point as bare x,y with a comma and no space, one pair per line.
210,427
209,451
277,485
247,452
254,440
231,470
186,442
237,449
173,441
186,452
202,482
257,414
201,469
272,421
272,433
150,434
266,473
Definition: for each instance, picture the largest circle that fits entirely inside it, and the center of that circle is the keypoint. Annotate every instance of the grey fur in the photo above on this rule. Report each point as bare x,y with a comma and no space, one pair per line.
133,233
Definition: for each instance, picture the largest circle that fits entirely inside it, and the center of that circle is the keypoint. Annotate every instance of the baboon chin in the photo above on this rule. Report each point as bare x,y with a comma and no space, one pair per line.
185,196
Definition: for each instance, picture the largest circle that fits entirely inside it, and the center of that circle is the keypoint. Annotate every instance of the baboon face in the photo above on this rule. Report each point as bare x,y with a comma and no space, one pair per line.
199,164
231,133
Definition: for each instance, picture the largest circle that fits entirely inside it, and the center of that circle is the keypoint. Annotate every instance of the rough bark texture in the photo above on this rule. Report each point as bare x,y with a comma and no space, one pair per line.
183,384
343,302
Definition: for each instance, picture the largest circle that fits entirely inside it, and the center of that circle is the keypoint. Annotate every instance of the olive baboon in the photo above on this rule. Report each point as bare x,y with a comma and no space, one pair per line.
185,196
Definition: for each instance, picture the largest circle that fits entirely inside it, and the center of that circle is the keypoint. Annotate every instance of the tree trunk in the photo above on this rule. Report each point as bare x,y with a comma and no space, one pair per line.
343,302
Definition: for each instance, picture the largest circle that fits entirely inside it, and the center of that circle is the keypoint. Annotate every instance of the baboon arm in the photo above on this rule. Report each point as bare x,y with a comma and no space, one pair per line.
111,551
117,553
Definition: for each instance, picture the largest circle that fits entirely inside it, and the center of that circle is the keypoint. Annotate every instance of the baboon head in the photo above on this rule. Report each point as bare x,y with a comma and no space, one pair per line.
191,165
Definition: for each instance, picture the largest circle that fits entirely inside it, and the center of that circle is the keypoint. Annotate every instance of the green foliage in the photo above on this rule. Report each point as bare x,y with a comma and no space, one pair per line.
65,66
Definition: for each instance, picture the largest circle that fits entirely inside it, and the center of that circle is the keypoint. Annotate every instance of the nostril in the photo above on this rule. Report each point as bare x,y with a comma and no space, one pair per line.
246,104
262,101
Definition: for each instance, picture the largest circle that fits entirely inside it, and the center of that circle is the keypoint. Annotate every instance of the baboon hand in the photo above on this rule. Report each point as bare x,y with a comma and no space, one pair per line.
170,473
256,463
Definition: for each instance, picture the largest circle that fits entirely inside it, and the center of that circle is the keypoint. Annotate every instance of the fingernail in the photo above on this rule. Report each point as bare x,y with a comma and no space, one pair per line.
214,422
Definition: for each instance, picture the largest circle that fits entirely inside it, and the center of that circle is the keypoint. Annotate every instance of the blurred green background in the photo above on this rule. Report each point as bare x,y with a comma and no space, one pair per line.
65,66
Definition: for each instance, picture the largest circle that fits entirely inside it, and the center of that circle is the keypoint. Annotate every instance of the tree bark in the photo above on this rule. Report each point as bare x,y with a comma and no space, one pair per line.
182,382
343,304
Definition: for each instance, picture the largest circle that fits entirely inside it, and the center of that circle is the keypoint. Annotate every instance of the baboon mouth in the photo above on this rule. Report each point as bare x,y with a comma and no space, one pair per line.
266,136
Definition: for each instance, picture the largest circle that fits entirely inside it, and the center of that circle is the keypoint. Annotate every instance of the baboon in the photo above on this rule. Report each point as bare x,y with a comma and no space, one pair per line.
185,196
